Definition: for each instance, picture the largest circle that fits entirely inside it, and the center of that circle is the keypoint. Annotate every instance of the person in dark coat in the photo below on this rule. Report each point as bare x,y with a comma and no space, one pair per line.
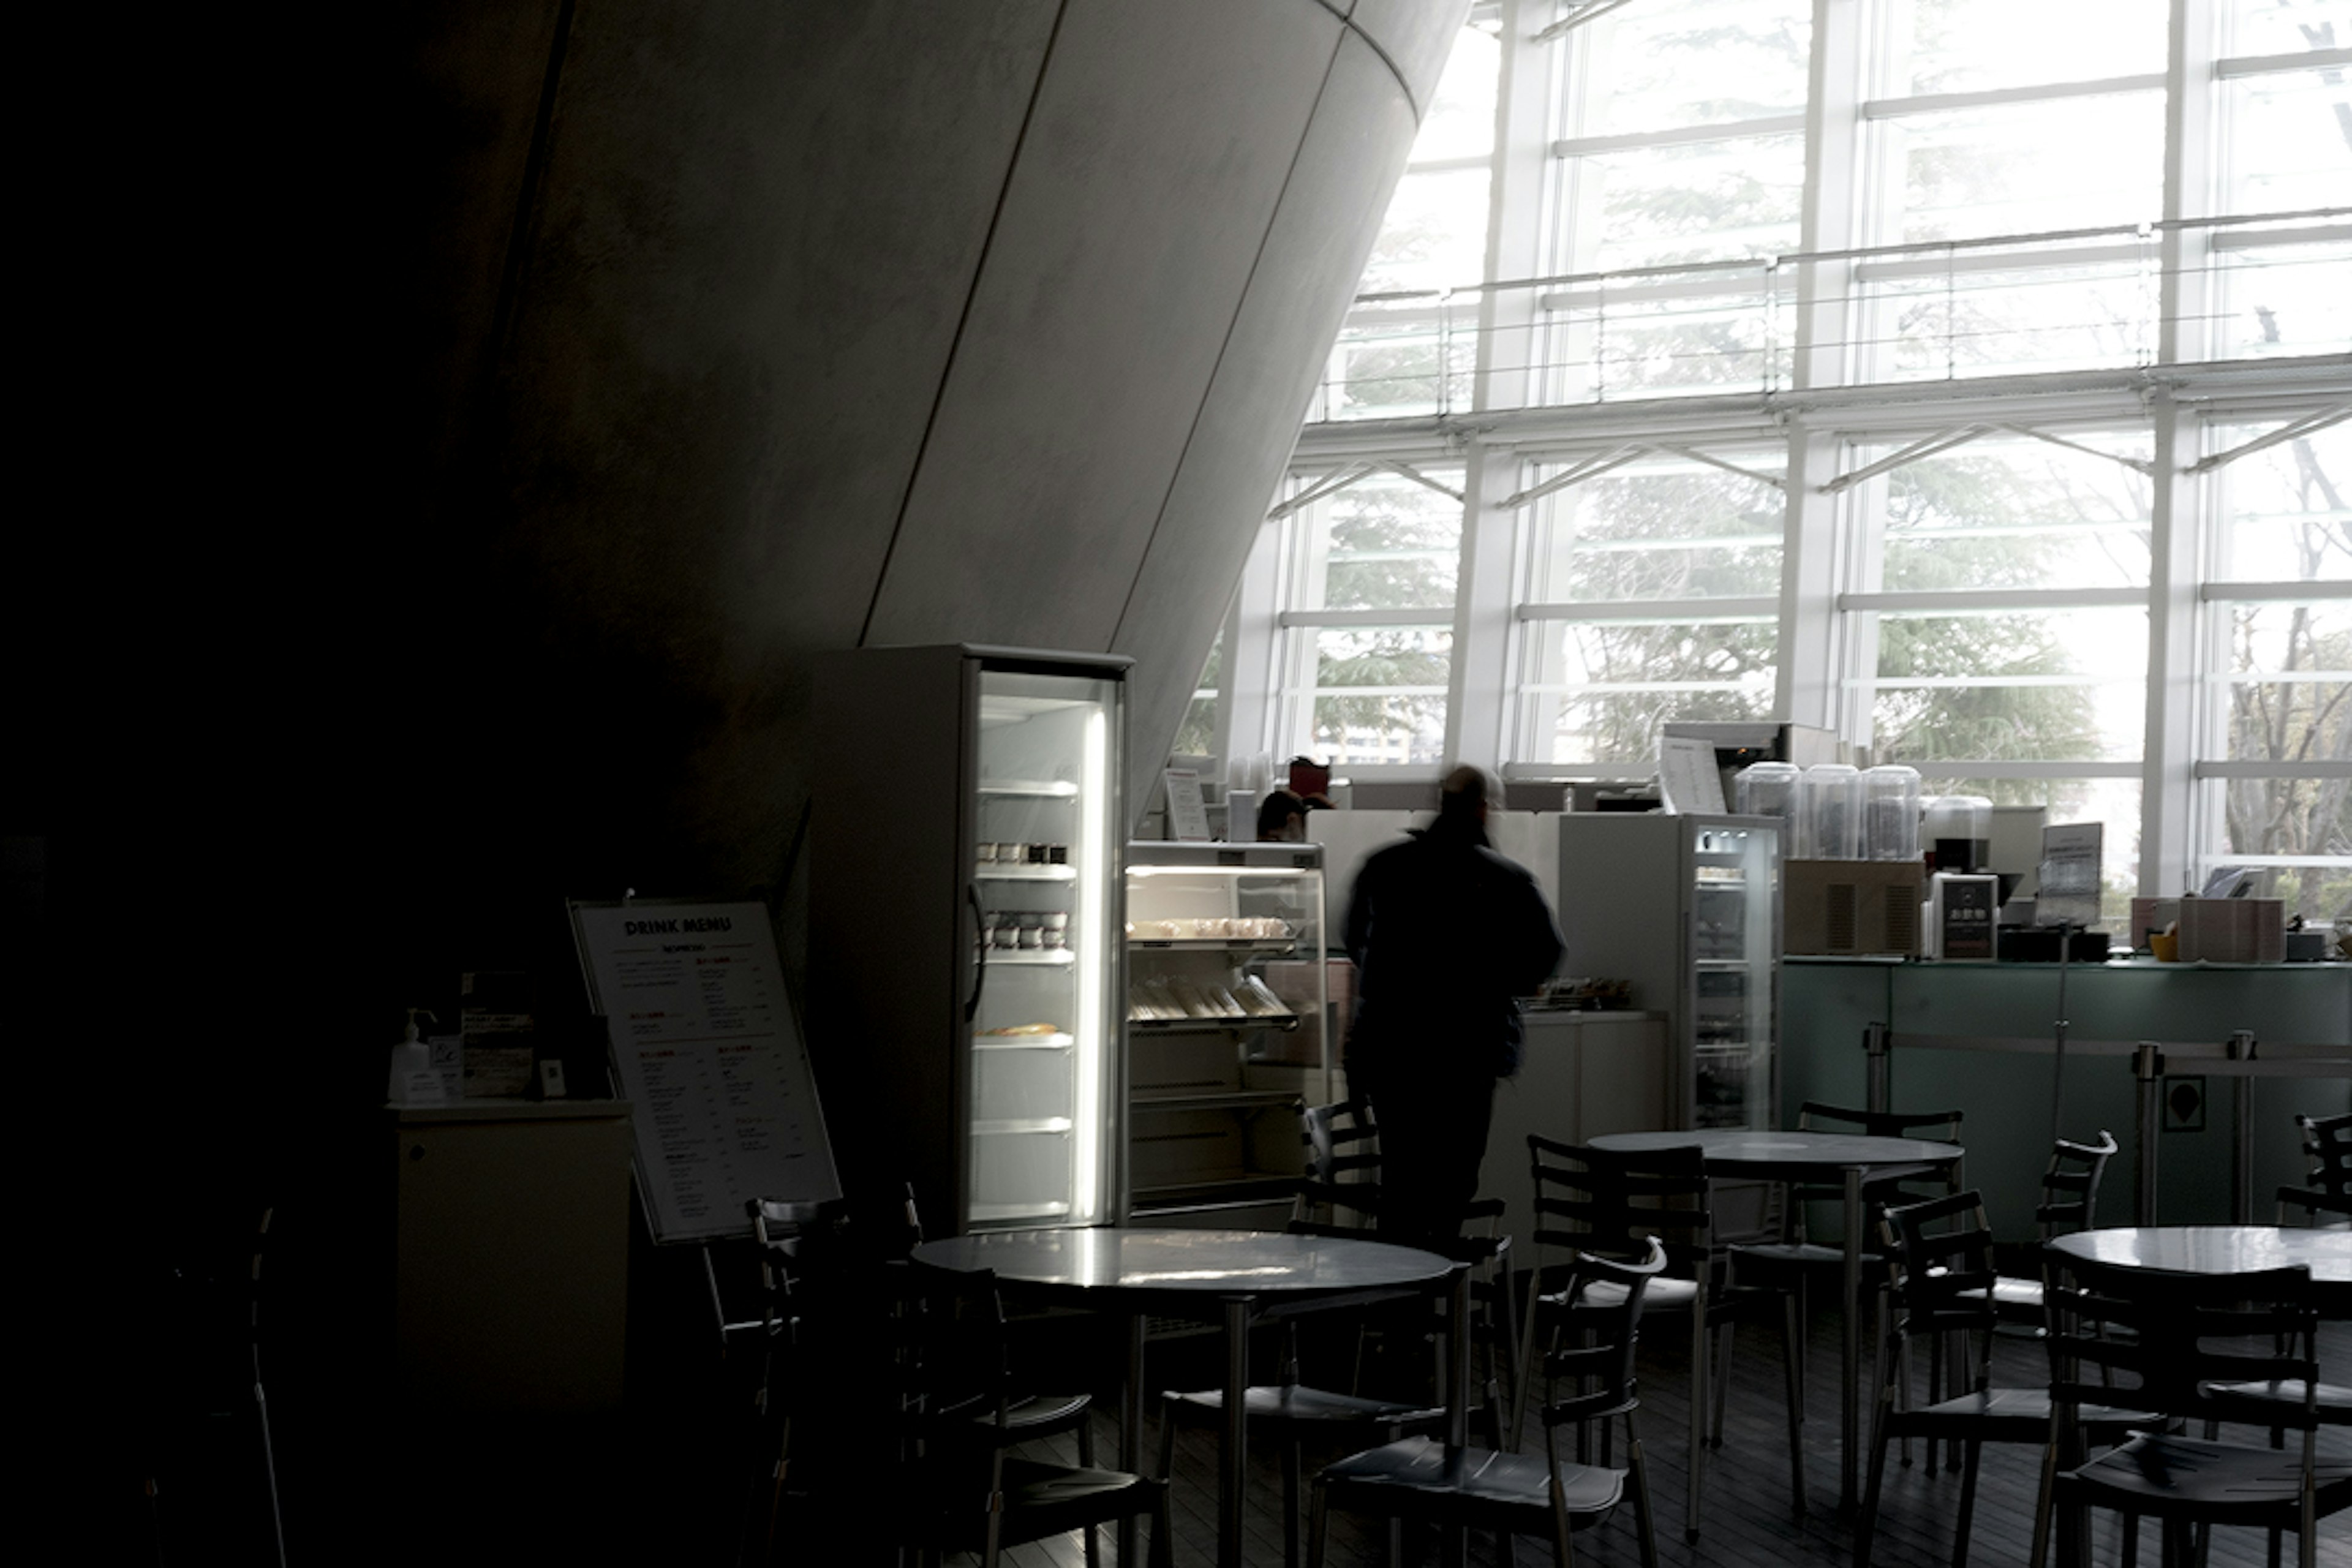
1447,936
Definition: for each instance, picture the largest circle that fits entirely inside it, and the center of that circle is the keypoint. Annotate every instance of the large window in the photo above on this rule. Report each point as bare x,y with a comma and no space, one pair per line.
2276,766
1371,554
1941,380
1651,591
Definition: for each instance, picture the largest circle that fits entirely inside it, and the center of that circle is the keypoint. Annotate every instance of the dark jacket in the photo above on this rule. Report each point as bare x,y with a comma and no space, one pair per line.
1447,935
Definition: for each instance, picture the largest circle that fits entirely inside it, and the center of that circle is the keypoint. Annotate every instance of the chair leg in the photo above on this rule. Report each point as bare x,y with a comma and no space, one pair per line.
1526,1359
1167,1440
1792,1357
1642,1522
1086,1458
1289,1504
1317,1513
1698,1403
1970,1450
1865,1523
1163,1548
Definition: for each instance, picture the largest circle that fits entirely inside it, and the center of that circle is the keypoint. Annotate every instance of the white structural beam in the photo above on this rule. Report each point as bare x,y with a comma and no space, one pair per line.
2288,432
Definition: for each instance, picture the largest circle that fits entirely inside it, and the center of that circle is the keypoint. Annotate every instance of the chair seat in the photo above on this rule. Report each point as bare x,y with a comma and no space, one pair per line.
2010,1415
2156,1473
2333,1401
1802,1254
1478,1478
2009,1292
1295,1403
1663,1293
1040,1499
1039,1410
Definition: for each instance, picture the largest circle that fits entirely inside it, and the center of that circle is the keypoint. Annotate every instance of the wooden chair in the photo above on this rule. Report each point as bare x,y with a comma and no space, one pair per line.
1593,1202
2190,1348
1520,1494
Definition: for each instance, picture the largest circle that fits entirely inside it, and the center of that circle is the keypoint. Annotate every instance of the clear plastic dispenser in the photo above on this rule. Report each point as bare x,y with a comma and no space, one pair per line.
1769,789
1960,832
1829,828
1890,813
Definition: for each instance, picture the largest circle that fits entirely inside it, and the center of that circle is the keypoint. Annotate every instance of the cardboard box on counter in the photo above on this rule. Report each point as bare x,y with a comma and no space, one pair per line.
2232,930
1844,907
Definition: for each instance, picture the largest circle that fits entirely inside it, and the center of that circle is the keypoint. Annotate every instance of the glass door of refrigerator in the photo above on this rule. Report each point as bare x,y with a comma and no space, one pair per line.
1732,951
1044,860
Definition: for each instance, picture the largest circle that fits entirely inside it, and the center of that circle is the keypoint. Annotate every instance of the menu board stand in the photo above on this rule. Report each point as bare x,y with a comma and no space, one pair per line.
706,1047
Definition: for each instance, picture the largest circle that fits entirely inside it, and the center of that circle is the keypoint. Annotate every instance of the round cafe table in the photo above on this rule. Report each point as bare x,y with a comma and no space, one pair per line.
1235,1278
1848,1159
2224,1249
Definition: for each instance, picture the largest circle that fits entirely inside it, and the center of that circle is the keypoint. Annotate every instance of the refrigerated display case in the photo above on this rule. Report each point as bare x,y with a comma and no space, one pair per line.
1228,1021
1687,909
964,917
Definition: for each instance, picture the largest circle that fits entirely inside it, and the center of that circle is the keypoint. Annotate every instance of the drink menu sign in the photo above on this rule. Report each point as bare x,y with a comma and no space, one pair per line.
706,1048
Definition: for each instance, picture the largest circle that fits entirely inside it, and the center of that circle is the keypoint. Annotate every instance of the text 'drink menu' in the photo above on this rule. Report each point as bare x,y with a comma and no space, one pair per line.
706,1048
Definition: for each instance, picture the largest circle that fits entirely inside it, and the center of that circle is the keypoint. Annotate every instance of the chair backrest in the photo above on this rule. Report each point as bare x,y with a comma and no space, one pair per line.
1343,1151
2327,1197
2172,1342
1938,1126
1601,1367
2070,1186
1942,1255
1610,1203
2328,1153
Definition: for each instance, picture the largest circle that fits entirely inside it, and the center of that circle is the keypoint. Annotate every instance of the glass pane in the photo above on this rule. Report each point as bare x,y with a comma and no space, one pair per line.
1664,530
1651,673
1918,321
2290,690
1659,338
1968,173
1434,236
1379,695
2301,819
1975,46
1701,62
1387,543
2112,803
1389,365
2023,514
1460,122
1701,201
1197,735
2285,511
2011,686
2286,26
2288,145
2280,299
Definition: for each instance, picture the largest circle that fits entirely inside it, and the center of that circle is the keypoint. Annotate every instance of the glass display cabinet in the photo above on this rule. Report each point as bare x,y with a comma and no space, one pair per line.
1229,1025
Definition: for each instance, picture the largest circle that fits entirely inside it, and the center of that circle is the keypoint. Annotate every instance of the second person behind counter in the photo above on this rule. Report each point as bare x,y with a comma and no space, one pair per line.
1447,935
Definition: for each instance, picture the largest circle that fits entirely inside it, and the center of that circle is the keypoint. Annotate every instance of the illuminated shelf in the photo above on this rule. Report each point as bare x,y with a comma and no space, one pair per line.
992,872
1052,956
988,1213
1211,944
1199,1026
1036,789
1055,1042
1230,1099
1018,1125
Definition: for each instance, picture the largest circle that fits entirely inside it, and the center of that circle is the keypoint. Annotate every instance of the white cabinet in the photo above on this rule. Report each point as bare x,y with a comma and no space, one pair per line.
511,1255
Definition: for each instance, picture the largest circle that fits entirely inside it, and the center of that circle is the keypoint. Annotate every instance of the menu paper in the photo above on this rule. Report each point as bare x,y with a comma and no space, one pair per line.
1187,817
706,1050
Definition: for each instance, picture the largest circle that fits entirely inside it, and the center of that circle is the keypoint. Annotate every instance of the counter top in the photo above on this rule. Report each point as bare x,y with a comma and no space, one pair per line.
504,1110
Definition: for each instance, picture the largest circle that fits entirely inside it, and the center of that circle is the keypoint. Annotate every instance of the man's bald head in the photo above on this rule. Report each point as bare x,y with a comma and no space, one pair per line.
1465,793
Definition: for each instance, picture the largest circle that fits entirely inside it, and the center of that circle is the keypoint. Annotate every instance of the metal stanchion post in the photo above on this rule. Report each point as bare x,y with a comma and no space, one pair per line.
2147,1066
1877,1042
2242,1132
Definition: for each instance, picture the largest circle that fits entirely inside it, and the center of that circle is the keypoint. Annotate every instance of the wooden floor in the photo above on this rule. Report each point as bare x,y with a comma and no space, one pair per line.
1747,1520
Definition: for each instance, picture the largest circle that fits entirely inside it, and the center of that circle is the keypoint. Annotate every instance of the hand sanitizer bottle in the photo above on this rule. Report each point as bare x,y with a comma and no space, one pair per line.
413,1080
